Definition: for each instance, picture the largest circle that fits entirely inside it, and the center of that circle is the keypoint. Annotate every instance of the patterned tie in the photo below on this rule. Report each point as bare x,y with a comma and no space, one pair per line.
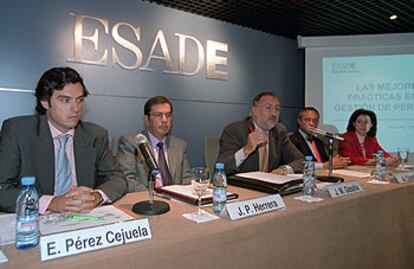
264,160
162,164
64,177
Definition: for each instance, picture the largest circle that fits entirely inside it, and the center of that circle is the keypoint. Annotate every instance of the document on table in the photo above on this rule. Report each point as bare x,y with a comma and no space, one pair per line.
187,190
7,228
351,173
187,194
270,177
58,222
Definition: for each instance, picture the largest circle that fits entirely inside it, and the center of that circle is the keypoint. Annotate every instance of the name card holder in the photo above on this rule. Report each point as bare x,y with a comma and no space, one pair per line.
79,241
253,207
344,188
404,177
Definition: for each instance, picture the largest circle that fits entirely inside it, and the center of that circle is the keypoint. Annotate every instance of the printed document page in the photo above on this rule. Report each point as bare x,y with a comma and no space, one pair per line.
61,222
351,173
270,177
188,190
7,228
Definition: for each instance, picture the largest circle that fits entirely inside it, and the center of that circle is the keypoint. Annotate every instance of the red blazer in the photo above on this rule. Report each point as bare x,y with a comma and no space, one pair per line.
351,148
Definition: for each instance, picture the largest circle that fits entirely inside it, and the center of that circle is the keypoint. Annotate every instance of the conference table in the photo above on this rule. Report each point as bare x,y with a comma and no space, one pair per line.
369,229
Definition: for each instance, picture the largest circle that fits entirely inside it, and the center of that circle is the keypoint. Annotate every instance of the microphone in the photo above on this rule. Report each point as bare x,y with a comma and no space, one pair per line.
316,131
142,143
150,207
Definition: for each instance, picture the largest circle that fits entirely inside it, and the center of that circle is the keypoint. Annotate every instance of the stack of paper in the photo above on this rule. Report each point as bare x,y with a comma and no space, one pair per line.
351,173
270,177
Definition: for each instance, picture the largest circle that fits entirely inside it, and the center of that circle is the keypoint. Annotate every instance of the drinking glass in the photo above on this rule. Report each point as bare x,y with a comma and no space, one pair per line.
403,155
200,181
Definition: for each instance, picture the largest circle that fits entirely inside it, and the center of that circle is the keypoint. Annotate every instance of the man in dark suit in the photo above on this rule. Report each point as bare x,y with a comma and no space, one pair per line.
259,142
74,168
313,146
170,152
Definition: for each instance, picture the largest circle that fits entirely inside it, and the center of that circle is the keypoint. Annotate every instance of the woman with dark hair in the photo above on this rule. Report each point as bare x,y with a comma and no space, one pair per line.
360,143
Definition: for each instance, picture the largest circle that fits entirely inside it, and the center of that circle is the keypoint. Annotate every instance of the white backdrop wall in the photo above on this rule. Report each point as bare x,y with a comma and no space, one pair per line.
343,73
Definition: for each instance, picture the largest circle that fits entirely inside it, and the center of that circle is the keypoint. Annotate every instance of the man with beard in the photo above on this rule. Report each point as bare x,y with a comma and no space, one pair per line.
259,142
169,152
70,159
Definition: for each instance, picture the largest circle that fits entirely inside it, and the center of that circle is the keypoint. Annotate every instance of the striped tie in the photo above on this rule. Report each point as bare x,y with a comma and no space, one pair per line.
162,164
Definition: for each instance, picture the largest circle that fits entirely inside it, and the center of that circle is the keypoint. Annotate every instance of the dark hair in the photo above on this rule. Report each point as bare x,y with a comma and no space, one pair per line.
373,131
308,108
156,100
260,95
55,79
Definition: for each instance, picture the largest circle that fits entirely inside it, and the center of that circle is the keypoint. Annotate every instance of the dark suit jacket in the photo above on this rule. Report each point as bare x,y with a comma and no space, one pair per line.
26,149
298,140
133,164
281,150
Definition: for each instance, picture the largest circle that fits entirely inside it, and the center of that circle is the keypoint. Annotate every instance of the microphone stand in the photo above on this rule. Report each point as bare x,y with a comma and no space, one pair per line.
151,207
330,178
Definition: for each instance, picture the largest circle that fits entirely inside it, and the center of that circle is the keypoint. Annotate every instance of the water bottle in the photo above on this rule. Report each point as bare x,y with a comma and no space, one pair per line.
309,177
380,167
219,188
27,215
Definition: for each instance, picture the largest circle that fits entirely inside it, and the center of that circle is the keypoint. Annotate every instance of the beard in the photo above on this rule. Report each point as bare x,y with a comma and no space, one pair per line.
272,121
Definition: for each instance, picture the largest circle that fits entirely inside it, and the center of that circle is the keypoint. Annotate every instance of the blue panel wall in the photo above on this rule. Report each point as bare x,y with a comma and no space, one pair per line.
37,35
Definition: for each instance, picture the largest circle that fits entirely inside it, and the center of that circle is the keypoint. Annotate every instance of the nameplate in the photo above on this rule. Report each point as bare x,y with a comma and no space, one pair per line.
404,177
255,207
75,242
344,188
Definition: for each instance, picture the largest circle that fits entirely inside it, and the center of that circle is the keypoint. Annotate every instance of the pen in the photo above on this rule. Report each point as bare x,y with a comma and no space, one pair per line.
80,217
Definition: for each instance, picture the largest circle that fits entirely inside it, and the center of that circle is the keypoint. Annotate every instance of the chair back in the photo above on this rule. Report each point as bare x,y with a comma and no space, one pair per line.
114,145
211,150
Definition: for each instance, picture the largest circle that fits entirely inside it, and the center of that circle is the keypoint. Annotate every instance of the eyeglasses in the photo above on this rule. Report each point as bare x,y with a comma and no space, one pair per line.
160,115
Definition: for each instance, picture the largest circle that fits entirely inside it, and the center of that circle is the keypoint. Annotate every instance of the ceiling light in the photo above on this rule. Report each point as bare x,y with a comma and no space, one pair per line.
393,17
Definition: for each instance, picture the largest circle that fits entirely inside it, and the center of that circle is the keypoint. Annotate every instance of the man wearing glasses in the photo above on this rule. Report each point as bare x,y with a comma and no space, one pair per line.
259,142
170,152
